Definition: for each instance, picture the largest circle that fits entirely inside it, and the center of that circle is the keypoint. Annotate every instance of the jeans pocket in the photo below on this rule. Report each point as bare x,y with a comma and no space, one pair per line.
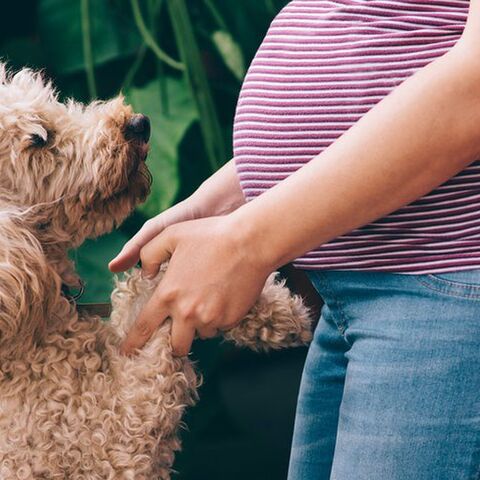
464,283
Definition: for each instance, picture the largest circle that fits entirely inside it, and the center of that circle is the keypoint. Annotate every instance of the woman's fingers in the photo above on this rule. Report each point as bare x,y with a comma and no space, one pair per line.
209,284
156,252
150,318
126,259
207,332
183,333
130,253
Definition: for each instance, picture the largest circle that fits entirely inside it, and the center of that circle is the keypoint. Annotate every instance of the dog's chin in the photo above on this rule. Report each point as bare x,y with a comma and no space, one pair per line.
136,188
113,207
137,185
137,178
109,212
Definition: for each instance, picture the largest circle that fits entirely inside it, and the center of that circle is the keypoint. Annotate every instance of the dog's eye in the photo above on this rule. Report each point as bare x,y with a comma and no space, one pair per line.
37,141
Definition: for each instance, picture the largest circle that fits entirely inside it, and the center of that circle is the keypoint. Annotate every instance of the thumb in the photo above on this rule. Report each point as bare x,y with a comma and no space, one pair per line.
156,252
130,253
126,259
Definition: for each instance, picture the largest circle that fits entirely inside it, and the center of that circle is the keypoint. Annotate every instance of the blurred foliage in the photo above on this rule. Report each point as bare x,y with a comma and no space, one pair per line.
179,61
182,63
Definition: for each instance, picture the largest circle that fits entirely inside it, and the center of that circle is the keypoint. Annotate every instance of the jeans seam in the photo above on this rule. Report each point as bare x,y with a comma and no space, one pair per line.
446,291
341,324
474,287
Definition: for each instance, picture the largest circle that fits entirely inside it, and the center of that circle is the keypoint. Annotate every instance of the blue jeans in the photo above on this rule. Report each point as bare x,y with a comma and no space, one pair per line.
391,384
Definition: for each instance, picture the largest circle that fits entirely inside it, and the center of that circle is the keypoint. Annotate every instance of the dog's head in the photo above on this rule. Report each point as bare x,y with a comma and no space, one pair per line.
82,166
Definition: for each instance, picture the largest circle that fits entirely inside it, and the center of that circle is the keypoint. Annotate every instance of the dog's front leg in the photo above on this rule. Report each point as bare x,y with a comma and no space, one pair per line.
279,319
154,387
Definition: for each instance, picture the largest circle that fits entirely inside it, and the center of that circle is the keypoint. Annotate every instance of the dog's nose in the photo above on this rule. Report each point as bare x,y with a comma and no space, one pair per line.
138,127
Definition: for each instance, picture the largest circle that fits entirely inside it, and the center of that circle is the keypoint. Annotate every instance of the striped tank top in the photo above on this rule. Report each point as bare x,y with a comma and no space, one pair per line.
323,65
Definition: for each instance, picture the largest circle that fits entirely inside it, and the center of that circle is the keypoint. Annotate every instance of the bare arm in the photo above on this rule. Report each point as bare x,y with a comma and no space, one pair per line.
220,194
419,136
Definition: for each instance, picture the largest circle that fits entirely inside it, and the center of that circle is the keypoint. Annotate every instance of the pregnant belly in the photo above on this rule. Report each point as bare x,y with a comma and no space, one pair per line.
321,67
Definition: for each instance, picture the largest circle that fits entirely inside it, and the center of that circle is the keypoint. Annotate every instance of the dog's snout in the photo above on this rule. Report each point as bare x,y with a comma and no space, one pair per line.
138,126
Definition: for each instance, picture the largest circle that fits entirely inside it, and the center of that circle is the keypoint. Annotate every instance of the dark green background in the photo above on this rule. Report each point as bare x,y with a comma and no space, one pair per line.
241,428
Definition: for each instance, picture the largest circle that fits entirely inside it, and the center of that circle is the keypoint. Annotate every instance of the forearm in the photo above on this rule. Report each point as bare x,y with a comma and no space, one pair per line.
220,194
418,137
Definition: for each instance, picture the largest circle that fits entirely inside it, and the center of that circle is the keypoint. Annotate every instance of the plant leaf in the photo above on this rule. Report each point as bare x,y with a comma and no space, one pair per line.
230,52
92,260
198,82
168,131
113,33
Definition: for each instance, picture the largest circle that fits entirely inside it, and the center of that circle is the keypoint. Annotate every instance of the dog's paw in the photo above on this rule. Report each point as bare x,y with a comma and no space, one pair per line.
130,295
279,319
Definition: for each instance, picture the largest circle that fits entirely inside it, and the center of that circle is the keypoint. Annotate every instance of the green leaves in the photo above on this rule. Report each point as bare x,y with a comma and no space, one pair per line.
149,39
92,45
113,33
168,131
87,47
198,82
92,259
230,52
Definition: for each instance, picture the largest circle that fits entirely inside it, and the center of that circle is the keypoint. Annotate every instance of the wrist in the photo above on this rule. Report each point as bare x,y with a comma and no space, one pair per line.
219,194
252,239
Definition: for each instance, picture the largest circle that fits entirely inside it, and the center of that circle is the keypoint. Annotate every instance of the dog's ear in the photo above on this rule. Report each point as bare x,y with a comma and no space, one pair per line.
28,286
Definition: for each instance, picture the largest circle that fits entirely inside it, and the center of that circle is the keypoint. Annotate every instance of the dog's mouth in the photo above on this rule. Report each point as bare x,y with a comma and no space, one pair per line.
137,178
142,151
137,133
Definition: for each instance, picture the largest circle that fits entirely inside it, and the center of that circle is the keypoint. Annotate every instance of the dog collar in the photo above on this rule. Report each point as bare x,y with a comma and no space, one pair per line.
103,310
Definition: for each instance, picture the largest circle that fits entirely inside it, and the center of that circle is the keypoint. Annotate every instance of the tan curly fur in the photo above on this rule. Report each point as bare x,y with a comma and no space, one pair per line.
72,407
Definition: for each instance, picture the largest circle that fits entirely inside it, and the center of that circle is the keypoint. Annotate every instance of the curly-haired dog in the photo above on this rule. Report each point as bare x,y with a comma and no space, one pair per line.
72,407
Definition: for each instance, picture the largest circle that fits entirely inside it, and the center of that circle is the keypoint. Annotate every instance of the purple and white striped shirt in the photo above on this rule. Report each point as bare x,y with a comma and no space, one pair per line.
322,66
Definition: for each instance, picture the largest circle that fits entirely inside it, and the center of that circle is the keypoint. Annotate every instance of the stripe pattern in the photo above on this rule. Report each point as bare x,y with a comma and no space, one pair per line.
323,65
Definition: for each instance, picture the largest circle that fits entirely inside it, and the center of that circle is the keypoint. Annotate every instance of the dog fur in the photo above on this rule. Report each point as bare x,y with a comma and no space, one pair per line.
72,407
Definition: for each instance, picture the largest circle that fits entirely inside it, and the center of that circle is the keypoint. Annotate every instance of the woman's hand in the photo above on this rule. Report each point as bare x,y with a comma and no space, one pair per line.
213,279
130,253
218,195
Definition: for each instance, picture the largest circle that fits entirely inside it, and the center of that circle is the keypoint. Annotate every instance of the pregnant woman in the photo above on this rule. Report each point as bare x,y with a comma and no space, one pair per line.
357,147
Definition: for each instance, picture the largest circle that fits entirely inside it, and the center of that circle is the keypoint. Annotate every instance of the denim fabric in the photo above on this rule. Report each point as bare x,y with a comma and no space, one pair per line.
391,384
